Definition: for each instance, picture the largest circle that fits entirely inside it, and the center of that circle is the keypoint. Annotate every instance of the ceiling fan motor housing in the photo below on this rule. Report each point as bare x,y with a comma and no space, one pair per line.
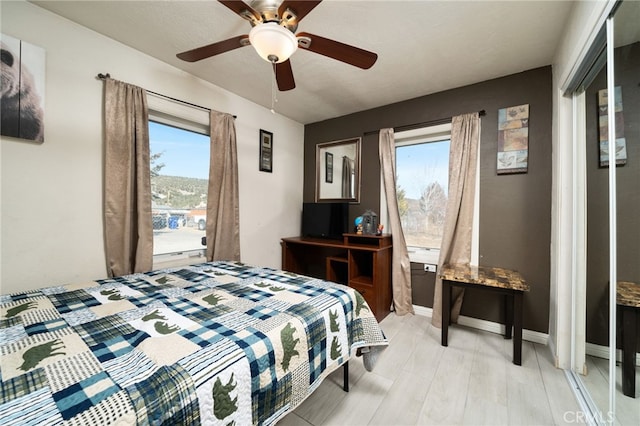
268,11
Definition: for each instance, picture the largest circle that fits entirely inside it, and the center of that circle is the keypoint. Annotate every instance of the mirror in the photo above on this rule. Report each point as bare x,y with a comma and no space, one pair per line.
602,374
627,77
338,171
596,365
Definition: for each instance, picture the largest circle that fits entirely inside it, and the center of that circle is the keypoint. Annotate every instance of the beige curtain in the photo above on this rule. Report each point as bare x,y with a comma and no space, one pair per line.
347,177
223,206
127,180
456,239
401,266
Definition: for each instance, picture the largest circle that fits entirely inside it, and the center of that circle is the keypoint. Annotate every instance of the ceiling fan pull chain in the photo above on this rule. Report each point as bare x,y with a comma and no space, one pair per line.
274,92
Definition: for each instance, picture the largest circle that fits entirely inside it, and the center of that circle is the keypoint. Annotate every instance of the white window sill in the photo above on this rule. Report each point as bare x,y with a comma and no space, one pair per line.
421,255
184,258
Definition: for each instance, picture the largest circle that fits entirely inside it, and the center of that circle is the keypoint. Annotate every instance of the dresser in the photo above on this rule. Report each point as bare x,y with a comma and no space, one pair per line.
362,262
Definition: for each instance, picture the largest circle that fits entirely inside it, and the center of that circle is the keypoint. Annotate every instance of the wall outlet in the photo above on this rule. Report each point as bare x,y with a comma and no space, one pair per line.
428,267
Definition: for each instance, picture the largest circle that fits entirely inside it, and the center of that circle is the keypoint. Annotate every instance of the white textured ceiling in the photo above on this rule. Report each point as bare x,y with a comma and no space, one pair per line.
423,47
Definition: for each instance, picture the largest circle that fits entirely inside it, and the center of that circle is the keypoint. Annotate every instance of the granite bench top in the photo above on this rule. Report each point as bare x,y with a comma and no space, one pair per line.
484,275
628,294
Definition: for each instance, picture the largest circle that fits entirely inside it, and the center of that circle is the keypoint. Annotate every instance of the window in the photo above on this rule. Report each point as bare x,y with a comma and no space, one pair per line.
179,154
422,180
422,183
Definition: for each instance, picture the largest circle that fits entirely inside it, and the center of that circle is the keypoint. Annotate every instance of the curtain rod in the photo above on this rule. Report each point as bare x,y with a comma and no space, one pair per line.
481,113
105,76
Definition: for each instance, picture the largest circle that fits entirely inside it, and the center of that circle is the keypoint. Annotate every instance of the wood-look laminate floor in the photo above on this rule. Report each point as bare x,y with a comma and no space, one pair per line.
416,381
597,383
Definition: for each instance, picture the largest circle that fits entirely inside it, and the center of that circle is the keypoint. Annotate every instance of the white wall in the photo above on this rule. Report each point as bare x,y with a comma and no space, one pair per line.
51,213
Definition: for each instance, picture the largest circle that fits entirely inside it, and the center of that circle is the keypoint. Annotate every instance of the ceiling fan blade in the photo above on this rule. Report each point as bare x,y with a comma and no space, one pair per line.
214,49
284,76
334,49
242,9
300,8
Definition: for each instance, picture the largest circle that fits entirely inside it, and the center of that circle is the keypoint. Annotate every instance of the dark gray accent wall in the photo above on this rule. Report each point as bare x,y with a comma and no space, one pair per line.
627,72
515,210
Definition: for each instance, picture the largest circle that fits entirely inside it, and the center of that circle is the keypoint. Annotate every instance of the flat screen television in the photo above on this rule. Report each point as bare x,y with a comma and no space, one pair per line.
325,220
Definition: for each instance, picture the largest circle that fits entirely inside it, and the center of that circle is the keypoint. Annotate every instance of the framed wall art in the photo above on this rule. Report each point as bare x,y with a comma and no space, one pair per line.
23,79
328,164
621,144
513,140
266,151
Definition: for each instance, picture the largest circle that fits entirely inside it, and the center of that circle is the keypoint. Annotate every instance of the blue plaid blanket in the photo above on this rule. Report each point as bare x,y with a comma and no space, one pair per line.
215,343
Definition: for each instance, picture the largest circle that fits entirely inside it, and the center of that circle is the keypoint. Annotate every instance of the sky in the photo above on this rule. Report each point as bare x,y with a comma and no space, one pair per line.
420,164
185,153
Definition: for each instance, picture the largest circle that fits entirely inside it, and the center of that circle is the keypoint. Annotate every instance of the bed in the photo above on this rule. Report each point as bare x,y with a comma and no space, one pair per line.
214,343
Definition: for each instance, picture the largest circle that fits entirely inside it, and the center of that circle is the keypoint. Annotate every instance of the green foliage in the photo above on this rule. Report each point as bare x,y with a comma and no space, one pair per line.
179,192
403,204
155,168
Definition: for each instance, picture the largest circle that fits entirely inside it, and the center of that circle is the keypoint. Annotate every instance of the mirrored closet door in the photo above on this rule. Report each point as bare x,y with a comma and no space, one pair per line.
595,371
611,200
626,60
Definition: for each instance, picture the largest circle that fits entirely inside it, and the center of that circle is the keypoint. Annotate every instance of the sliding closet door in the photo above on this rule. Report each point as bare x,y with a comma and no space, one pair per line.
595,372
627,116
609,104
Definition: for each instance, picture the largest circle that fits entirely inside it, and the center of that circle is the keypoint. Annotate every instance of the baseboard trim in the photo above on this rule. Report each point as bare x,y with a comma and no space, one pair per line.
493,327
603,352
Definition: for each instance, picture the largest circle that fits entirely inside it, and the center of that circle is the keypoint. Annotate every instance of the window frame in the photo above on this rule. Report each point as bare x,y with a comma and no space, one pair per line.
189,118
428,134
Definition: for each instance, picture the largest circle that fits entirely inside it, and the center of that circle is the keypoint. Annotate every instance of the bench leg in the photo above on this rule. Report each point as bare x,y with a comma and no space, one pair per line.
517,328
446,312
629,332
508,315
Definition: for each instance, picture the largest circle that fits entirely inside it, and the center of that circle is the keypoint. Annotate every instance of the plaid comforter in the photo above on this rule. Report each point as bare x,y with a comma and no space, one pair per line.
215,343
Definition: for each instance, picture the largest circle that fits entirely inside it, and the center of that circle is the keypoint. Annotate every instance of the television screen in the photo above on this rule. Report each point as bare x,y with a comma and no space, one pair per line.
325,220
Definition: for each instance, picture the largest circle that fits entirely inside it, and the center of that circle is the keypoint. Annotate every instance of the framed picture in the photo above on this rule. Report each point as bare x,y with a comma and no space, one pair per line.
328,167
603,142
23,78
513,140
266,151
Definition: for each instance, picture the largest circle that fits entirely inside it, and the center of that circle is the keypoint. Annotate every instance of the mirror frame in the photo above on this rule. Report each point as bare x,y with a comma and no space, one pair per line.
321,151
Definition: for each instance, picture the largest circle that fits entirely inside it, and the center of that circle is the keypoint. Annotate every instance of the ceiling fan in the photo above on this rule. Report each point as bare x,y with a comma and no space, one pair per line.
272,35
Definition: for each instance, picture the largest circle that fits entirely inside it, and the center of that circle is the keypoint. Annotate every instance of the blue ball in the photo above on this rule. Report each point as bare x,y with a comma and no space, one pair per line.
358,220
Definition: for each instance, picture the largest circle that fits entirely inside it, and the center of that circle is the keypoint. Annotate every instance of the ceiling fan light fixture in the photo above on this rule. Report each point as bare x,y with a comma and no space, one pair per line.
273,42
